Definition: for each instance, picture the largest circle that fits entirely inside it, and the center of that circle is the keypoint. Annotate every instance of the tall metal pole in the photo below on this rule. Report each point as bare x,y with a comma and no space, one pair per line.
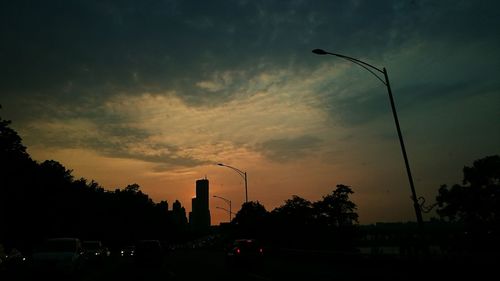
246,188
372,70
403,150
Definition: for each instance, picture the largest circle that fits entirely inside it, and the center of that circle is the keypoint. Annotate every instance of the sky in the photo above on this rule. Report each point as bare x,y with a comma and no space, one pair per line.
158,92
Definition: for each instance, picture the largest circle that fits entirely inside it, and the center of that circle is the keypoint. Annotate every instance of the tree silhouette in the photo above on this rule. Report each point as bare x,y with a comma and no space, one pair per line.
17,176
336,209
298,208
293,224
477,202
11,147
252,219
475,207
329,222
132,188
43,200
336,218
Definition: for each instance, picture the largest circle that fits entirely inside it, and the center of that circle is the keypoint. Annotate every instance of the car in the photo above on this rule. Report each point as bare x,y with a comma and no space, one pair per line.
3,256
59,255
148,253
13,264
93,250
245,250
128,251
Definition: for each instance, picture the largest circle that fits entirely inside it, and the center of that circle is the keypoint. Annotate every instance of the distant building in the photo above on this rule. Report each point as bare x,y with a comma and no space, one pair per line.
178,214
199,217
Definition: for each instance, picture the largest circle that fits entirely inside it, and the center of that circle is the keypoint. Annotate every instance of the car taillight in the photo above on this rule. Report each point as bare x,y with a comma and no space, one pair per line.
238,250
261,250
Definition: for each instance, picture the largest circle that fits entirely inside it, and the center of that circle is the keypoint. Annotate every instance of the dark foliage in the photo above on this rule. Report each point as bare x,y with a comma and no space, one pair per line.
476,202
330,223
252,220
43,200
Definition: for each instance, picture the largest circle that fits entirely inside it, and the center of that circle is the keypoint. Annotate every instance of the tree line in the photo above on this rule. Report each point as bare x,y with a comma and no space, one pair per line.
42,200
329,223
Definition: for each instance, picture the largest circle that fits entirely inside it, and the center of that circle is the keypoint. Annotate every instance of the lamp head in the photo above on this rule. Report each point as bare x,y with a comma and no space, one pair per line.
320,52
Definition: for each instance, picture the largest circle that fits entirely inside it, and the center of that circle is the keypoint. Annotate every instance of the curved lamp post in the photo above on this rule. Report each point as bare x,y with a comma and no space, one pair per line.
227,201
242,174
373,70
230,213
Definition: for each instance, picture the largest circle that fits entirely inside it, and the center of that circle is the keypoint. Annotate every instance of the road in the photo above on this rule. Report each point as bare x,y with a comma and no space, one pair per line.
211,264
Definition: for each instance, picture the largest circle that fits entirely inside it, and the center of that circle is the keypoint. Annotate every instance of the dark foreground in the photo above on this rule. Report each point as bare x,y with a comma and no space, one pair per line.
212,264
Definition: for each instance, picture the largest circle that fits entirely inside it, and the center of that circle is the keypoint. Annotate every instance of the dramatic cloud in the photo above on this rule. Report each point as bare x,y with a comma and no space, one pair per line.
289,149
173,86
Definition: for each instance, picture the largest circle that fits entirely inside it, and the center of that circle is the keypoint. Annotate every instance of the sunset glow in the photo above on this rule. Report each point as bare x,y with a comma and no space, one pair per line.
159,96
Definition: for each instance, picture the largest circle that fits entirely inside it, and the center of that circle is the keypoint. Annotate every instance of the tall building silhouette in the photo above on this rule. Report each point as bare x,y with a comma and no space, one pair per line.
199,218
178,214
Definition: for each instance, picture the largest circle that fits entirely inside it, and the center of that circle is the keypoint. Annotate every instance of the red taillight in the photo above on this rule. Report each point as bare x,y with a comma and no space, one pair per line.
238,250
261,250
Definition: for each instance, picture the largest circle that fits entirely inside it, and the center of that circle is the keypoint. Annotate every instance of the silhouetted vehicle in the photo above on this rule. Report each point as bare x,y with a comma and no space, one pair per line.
245,250
60,255
148,253
3,256
128,251
94,250
14,259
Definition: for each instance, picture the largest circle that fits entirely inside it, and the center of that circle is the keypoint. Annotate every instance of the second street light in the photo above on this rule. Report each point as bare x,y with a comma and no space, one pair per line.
229,202
373,70
242,174
230,213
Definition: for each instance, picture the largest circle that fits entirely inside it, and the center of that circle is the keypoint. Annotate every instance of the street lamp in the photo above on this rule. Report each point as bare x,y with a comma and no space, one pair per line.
227,201
230,213
242,174
372,69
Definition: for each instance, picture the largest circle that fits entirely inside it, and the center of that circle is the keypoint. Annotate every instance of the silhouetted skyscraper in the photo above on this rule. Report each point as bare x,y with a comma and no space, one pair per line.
178,214
202,193
199,218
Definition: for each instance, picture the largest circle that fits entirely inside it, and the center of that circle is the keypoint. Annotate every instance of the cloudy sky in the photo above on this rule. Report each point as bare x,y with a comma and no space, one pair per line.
157,92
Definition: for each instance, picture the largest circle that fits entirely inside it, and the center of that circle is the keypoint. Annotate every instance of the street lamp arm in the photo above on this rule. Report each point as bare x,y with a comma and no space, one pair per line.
227,200
225,210
240,172
361,63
